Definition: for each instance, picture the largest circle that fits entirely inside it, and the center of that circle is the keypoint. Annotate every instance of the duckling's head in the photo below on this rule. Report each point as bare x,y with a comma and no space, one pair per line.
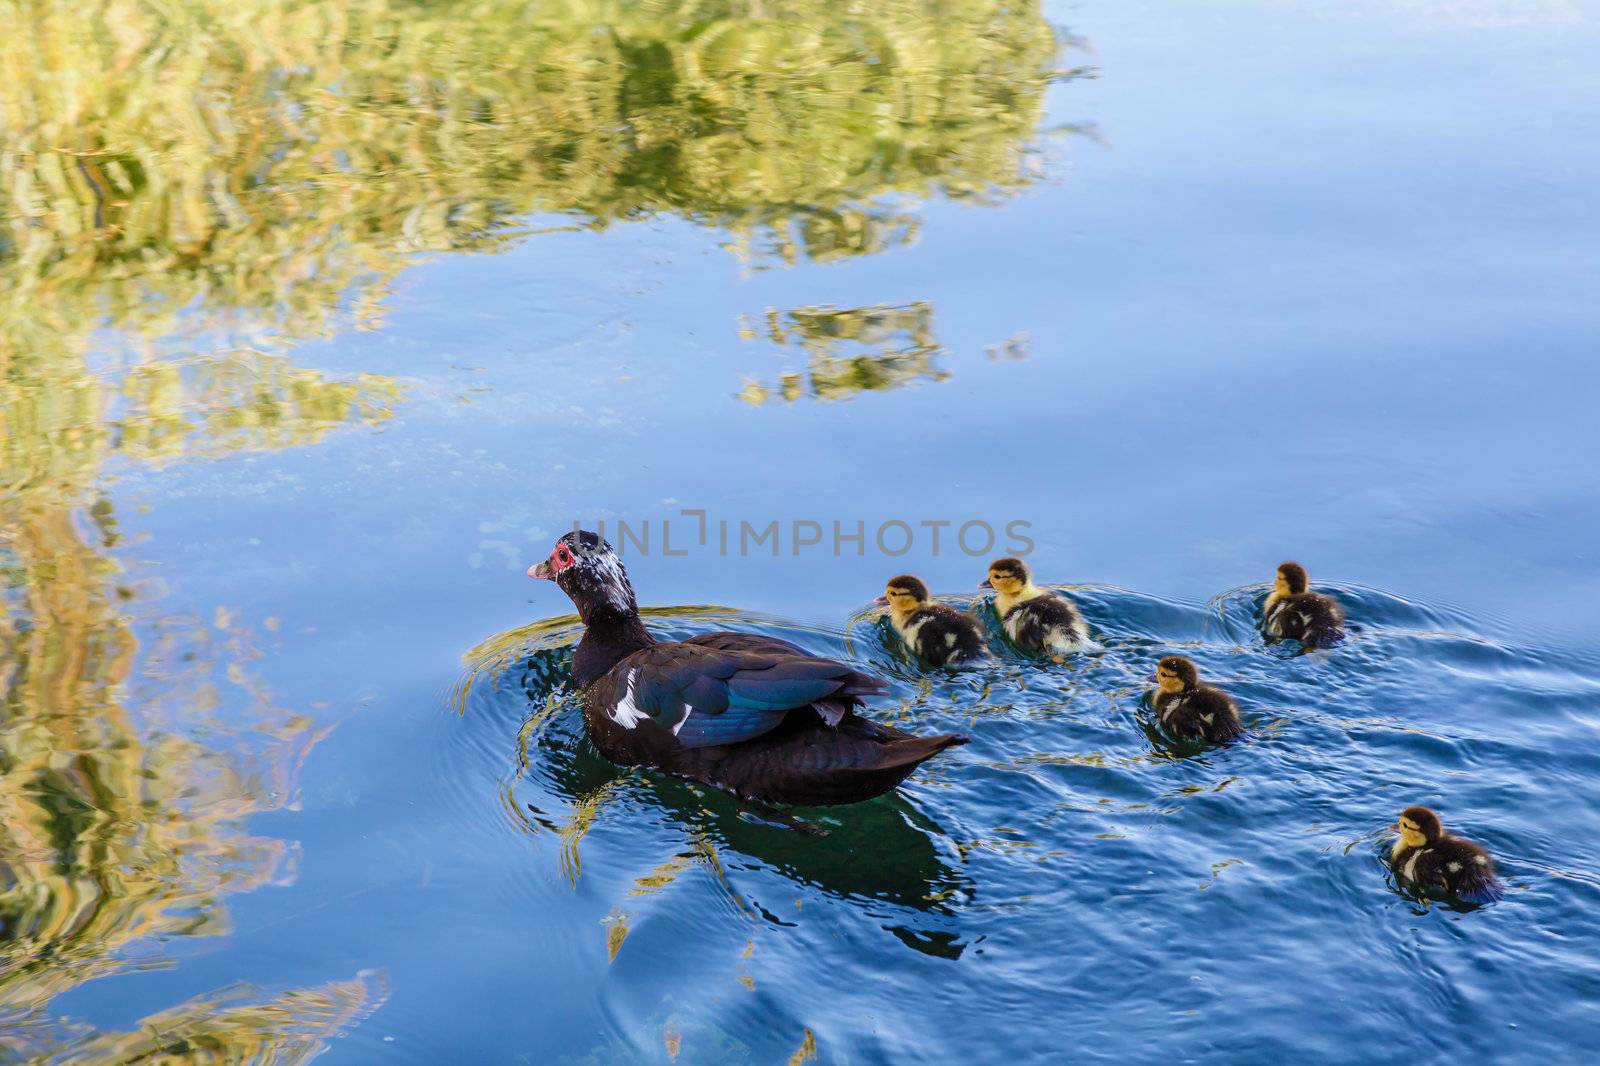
1291,580
1008,576
904,594
1176,674
1419,826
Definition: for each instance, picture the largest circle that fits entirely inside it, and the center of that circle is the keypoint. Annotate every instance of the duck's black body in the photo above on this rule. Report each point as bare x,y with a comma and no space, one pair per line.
940,635
1308,617
1048,624
1444,861
1196,712
1450,863
752,714
1201,713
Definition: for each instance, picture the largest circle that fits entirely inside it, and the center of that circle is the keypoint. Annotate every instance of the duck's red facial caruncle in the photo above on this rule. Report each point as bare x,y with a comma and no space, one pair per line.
559,560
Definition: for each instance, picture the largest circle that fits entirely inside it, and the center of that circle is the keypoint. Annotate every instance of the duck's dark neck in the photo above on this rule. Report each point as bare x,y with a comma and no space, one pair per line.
610,635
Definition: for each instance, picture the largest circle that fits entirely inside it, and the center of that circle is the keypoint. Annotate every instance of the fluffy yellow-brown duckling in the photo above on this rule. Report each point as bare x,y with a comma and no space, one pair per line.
1295,612
1192,711
1427,856
1036,619
939,634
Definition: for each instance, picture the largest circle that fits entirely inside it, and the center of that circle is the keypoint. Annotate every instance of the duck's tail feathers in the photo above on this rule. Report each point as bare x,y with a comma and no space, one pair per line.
1323,636
1486,891
874,768
817,765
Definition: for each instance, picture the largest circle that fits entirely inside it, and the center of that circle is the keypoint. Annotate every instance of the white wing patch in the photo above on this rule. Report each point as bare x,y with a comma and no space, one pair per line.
627,713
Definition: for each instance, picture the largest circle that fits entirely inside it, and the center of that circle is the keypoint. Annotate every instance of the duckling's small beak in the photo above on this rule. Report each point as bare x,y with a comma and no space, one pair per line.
882,601
541,571
986,584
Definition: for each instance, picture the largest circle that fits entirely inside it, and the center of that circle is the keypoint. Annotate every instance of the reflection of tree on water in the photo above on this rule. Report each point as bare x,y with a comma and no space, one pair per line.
275,166
850,351
236,1024
269,158
214,181
853,350
121,791
886,854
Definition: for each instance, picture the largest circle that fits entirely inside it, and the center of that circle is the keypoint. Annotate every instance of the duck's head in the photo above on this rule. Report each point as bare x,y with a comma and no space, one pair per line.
1008,576
1418,826
591,575
1176,674
1291,580
904,594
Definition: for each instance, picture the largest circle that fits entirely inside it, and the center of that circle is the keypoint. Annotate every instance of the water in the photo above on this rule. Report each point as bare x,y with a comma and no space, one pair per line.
322,320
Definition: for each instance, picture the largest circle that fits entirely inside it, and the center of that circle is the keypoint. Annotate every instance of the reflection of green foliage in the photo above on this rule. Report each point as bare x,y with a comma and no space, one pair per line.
276,156
244,173
850,351
244,401
234,1025
116,828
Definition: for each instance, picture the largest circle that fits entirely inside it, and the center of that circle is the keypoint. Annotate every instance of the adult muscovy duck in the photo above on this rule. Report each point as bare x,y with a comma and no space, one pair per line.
752,714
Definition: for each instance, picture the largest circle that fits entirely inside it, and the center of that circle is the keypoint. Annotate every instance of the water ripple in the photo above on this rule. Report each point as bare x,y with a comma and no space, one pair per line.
1070,855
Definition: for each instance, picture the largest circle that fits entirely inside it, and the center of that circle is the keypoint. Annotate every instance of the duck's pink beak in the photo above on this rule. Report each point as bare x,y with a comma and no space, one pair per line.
882,601
541,571
986,584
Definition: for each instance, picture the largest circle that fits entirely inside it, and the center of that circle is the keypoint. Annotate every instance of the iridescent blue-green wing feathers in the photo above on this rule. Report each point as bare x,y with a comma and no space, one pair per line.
728,688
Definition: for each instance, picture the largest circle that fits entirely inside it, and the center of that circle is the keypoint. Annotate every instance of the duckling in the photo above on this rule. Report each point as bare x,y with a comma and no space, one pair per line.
938,633
1192,711
1294,612
1035,618
1427,856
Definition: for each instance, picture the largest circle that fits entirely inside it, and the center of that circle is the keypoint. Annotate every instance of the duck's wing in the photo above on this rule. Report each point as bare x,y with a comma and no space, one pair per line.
730,687
755,642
